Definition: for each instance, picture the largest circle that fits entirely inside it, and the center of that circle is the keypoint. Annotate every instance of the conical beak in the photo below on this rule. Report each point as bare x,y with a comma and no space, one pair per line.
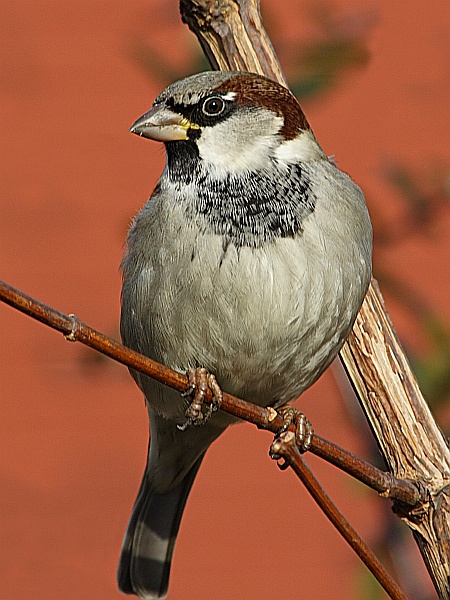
163,125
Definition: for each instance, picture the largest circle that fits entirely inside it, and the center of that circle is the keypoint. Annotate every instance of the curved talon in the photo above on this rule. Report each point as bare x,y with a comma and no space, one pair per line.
282,466
276,446
184,425
199,382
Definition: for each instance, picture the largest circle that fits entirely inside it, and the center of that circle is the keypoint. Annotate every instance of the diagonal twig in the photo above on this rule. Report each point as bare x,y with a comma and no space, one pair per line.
404,492
286,447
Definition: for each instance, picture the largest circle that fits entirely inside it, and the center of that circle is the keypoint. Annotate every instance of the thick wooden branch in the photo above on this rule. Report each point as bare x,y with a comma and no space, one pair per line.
409,438
233,38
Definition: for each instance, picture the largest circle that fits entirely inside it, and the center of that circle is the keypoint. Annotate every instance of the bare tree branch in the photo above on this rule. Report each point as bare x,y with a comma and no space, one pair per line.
267,418
233,38
286,447
74,330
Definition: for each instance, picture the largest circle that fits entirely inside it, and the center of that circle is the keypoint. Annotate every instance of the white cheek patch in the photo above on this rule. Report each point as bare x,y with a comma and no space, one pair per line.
242,142
302,148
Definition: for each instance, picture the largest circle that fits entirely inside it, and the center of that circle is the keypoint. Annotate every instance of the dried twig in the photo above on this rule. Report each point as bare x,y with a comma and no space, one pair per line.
285,446
74,330
403,492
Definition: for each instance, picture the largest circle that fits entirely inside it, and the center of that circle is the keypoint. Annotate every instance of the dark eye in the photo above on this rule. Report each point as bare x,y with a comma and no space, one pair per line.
213,106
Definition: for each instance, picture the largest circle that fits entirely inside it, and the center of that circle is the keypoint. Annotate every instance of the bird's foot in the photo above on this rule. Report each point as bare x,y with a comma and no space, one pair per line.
304,430
199,382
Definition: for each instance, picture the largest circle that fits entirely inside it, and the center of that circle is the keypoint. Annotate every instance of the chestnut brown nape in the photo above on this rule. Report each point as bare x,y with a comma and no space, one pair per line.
252,89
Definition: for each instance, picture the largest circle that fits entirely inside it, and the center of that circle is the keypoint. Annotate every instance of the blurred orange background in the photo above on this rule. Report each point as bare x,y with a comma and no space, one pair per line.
73,427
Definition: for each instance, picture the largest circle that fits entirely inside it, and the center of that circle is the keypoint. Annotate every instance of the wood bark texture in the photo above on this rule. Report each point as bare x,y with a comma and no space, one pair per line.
233,38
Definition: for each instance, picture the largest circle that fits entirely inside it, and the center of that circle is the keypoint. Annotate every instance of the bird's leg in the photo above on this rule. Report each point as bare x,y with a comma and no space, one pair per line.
199,382
304,430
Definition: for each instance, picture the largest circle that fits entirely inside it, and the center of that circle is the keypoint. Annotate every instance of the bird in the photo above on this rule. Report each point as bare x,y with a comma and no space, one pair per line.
250,260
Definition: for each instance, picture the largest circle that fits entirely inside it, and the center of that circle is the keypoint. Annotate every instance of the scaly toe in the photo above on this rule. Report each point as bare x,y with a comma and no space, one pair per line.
199,382
304,430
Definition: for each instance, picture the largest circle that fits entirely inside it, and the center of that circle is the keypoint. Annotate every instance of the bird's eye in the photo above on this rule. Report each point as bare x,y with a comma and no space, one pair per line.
213,106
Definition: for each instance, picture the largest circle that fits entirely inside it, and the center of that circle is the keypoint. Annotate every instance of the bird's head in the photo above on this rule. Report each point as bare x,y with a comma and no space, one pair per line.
232,121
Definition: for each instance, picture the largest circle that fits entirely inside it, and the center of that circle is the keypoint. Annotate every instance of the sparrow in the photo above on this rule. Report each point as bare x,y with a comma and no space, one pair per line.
251,259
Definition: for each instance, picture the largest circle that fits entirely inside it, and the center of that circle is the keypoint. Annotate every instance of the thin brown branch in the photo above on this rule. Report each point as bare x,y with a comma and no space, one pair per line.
404,492
286,447
73,329
233,37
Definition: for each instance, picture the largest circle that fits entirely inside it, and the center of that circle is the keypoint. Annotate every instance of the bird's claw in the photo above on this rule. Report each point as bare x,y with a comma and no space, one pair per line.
199,382
304,430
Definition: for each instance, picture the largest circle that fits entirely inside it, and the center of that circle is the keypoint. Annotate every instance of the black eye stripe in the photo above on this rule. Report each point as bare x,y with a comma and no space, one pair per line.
197,114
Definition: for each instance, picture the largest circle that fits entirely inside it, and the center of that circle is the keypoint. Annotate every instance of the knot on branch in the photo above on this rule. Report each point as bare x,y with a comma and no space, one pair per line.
203,14
72,335
417,513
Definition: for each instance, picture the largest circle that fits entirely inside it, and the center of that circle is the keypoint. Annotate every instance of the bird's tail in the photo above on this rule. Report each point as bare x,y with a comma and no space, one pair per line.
149,542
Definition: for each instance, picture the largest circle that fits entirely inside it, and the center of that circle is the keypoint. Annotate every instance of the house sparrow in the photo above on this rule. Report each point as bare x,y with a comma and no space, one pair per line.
251,259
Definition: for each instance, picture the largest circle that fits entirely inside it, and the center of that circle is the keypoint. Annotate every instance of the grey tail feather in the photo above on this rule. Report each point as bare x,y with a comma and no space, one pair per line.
146,557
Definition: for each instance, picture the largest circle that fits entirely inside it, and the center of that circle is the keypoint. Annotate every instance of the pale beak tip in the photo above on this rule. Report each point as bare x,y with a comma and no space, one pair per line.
161,124
138,127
